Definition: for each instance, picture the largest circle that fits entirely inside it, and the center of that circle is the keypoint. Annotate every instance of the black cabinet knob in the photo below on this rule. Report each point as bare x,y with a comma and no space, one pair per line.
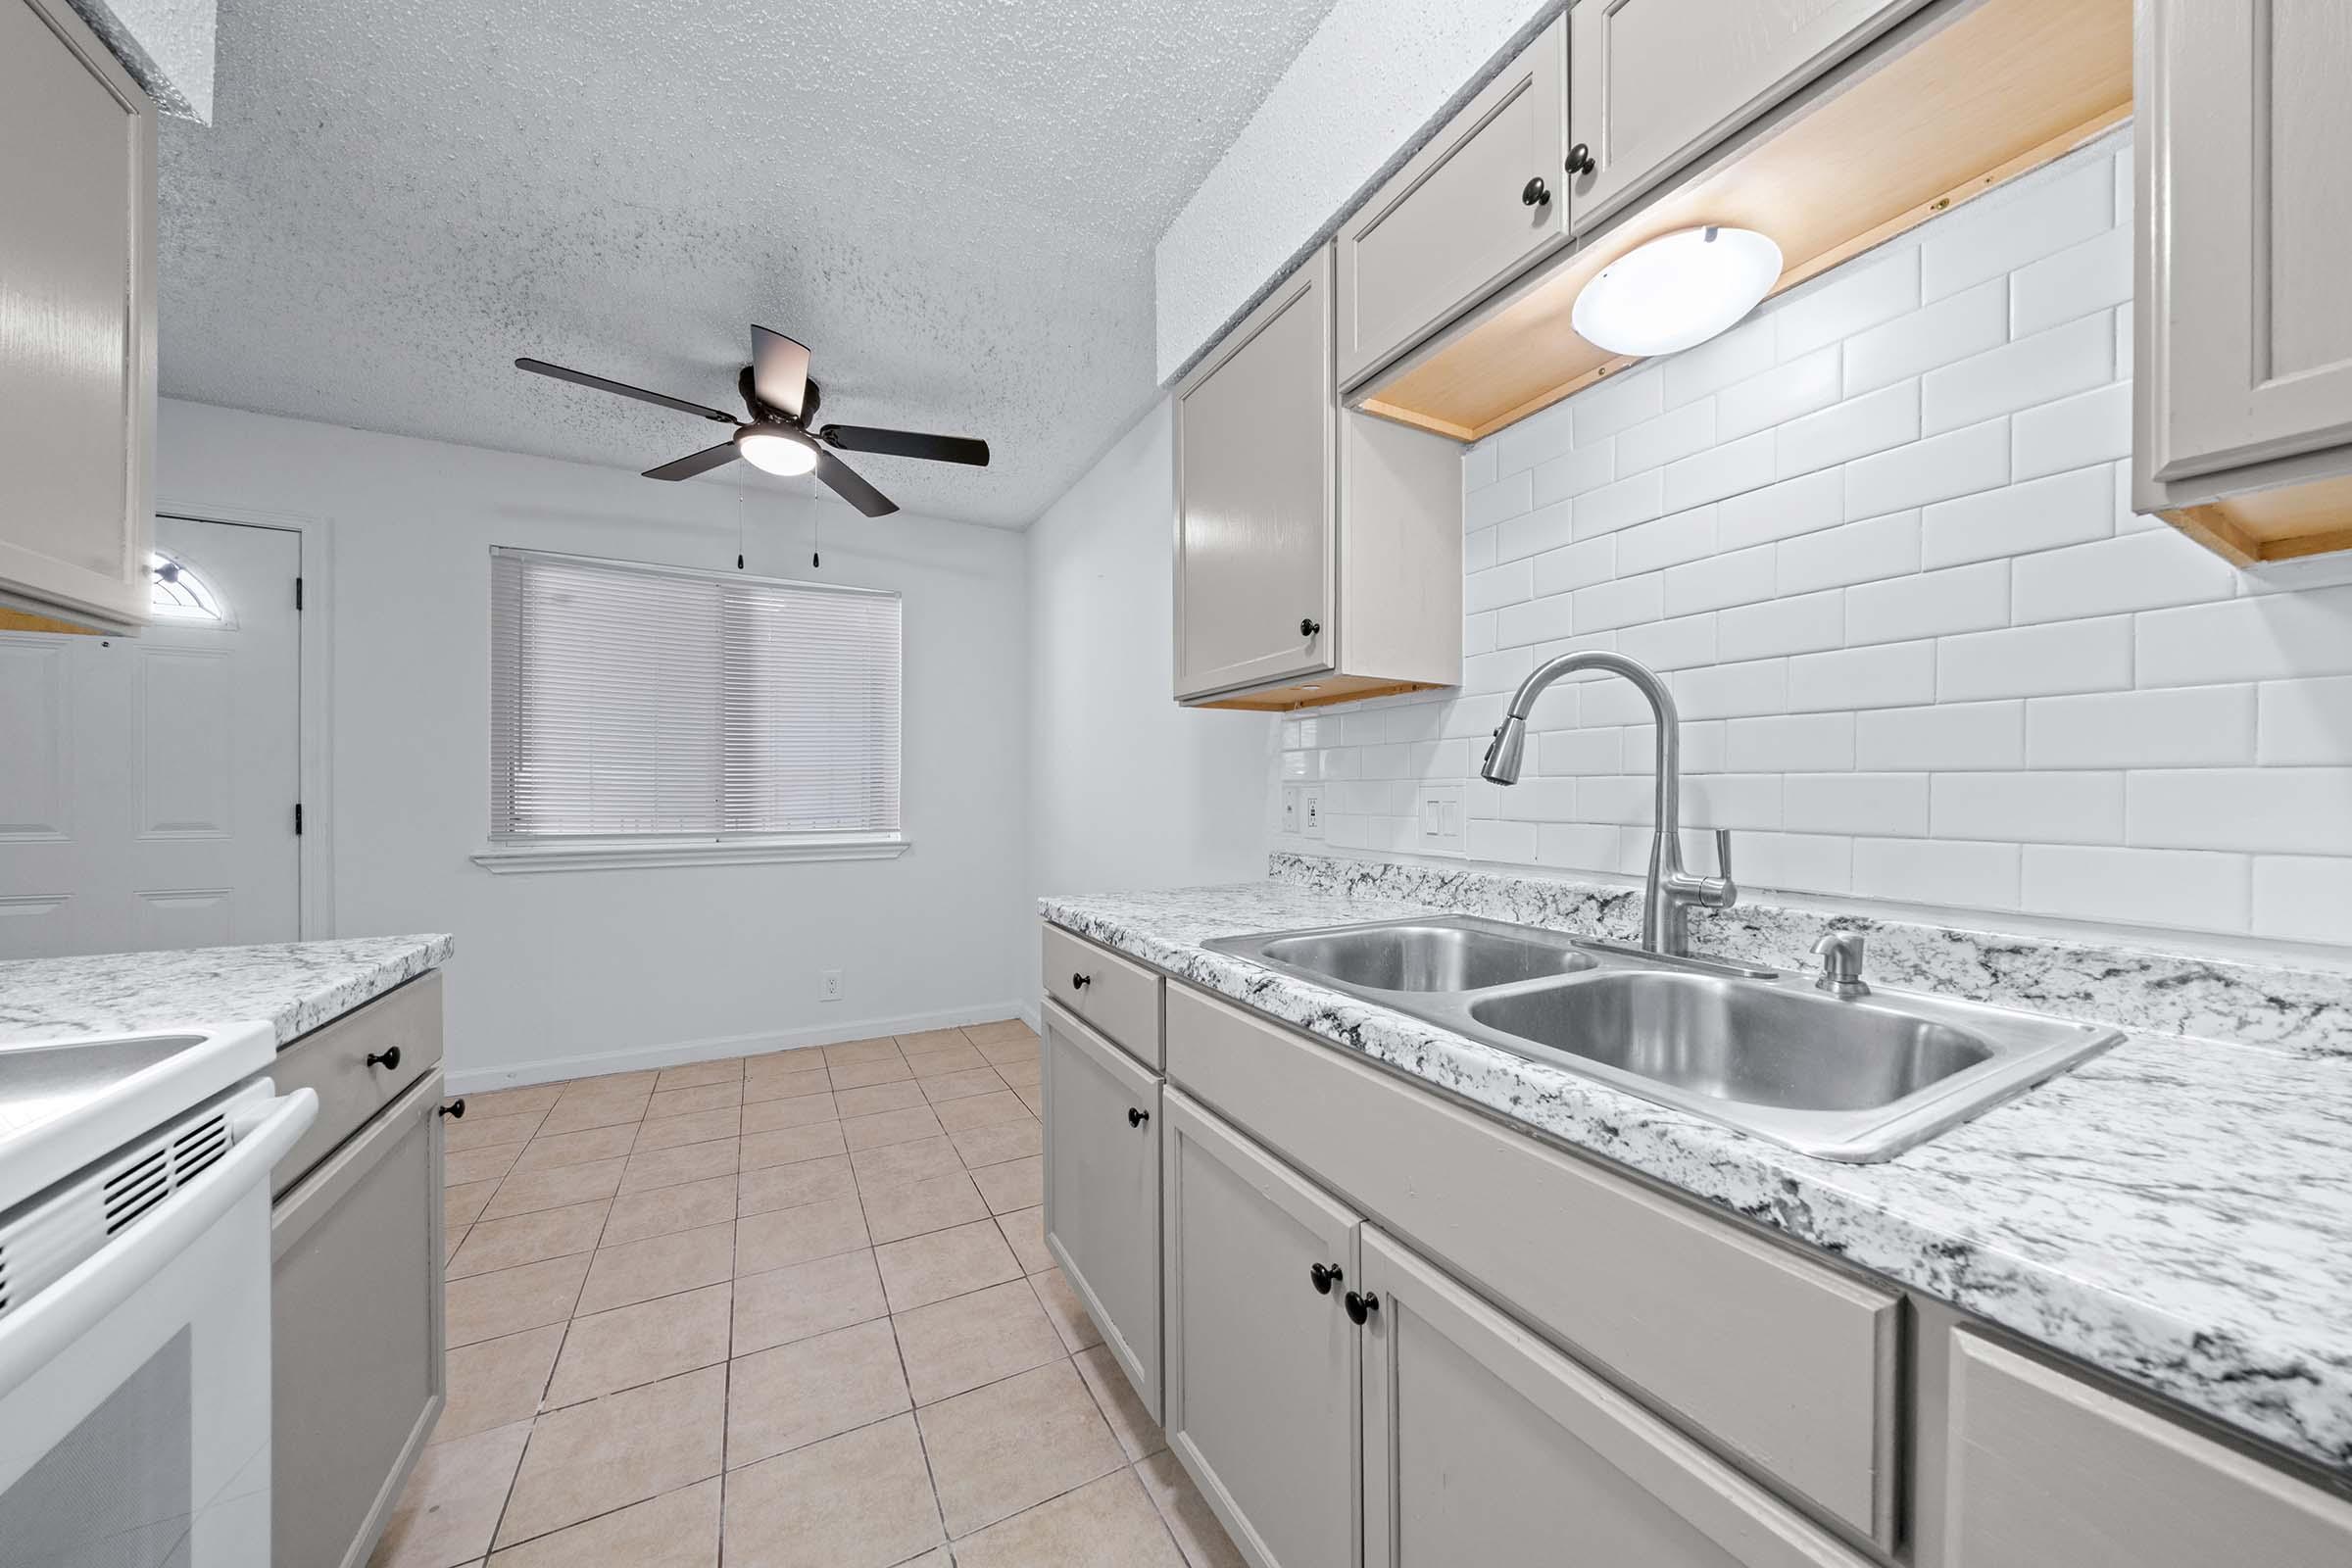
455,1111
1360,1308
1536,193
389,1060
1079,982
1323,1277
1308,625
1135,1118
1580,160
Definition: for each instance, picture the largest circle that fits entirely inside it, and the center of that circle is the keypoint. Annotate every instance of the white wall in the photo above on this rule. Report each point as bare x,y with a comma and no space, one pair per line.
1127,790
1925,654
598,970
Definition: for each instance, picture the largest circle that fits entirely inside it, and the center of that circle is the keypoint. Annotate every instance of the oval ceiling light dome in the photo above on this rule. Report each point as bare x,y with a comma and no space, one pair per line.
774,451
1677,290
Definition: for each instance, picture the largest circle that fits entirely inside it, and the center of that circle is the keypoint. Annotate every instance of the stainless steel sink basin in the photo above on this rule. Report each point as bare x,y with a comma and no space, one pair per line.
1855,1079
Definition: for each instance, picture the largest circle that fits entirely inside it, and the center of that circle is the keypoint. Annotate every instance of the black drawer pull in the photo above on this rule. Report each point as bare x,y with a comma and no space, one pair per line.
1360,1308
1580,160
1323,1277
455,1111
389,1059
1079,982
1135,1118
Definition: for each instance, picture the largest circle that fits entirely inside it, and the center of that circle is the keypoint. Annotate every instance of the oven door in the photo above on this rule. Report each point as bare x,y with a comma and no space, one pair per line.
135,1386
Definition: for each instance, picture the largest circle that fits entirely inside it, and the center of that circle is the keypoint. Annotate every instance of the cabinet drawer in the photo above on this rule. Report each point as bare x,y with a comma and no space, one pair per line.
1120,997
1513,1453
333,1060
1455,220
1787,1365
2042,1467
1103,1123
1654,82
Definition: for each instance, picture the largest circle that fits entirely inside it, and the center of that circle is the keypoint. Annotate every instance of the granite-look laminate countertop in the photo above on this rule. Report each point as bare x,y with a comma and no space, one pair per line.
295,986
2176,1211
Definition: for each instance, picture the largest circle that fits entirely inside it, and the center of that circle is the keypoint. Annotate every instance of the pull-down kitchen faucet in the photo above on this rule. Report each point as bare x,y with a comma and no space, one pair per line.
1670,891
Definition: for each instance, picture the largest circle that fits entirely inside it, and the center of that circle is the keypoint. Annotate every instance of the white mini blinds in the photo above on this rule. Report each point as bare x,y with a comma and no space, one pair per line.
640,700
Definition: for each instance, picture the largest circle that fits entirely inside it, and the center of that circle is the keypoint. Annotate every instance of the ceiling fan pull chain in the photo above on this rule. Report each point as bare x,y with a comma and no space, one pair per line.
738,530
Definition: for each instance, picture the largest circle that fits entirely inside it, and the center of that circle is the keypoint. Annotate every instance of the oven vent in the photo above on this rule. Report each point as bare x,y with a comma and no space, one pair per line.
197,1148
3,1279
137,1189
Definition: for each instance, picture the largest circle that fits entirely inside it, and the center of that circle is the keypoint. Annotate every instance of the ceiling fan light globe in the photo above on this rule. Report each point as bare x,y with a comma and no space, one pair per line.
774,452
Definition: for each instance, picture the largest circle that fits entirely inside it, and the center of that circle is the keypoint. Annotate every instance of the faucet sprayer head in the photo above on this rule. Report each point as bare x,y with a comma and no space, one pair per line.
1501,765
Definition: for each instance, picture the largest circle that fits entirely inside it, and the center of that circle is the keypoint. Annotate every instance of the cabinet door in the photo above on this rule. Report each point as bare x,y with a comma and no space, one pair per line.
1103,1123
356,1316
1257,485
1483,1445
2243,231
1465,212
78,300
1261,1367
1654,82
2043,1468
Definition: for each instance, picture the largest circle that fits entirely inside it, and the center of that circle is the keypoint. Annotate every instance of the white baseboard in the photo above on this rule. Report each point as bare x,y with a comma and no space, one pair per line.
680,1052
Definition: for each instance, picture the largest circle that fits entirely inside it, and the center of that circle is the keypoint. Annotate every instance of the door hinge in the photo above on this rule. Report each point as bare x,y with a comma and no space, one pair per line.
298,820
298,594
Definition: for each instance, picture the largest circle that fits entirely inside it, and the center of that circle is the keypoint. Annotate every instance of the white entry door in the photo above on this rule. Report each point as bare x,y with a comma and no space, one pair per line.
148,784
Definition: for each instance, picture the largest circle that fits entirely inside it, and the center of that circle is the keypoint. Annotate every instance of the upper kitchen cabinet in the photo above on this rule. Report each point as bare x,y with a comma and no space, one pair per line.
2243,401
77,323
1318,551
1481,201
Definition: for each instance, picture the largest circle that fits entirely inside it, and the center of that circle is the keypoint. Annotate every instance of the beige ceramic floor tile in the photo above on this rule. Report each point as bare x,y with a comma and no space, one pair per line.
1020,1074
642,1344
592,1458
961,1085
1104,1522
894,1213
876,1097
1026,1230
766,1115
805,1181
530,1192
786,1083
923,1269
881,1047
486,1306
662,1211
1138,1435
1001,1031
1013,1444
782,1237
889,1069
967,1341
787,1146
550,1151
480,1164
1000,1142
497,1243
591,1111
1024,1048
1197,1534
450,1241
948,1058
859,1500
927,1040
890,1127
685,1101
474,1130
540,1097
1035,1099
695,1127
452,1502
981,1111
798,1394
676,1530
658,1266
896,1164
1062,1305
1015,1184
792,1303
497,1382
464,1205
688,1162
697,1073
639,1082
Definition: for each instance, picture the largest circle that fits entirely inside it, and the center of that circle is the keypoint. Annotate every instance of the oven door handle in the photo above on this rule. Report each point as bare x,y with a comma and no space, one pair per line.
73,1304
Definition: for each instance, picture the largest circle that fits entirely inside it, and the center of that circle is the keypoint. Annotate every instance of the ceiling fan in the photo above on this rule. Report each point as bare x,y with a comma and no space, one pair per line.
777,438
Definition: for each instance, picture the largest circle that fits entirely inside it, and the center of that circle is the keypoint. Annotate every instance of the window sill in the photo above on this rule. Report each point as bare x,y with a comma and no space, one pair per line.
616,854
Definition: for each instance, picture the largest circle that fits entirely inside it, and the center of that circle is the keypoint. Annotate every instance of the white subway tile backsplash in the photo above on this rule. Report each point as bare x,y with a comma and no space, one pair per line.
1583,846
1536,439
1804,625
1856,428
1624,399
1478,633
1508,497
1480,464
2077,281
1735,577
1955,328
2137,571
1499,841
2054,807
1579,752
2091,427
1500,672
2086,656
1957,463
1624,603
1537,622
1812,381
1621,505
1577,566
2305,724
2303,898
1732,799
1952,737
1667,541
1547,527
1724,470
1656,442
1876,804
2009,228
1747,350
1575,472
1848,300
2040,514
1733,691
1795,743
1507,584
2203,891
2273,810
2192,726
1795,862
2070,358
1852,552
1477,550
1894,675
2262,637
1703,747
1679,643
1938,872
1930,604
1782,511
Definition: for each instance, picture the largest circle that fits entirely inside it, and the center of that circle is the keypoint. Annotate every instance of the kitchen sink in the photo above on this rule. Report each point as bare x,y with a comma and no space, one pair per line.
1856,1079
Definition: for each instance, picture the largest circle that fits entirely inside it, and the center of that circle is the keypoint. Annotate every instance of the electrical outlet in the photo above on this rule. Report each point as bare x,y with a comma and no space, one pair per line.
1290,810
1438,824
828,986
1310,812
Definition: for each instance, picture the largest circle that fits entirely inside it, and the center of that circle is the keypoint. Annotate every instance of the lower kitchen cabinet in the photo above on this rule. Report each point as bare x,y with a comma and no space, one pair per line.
357,1331
1103,1125
1262,1394
1484,1444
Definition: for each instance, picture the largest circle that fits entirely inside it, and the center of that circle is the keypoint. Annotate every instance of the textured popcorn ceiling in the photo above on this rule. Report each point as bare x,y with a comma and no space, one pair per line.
953,202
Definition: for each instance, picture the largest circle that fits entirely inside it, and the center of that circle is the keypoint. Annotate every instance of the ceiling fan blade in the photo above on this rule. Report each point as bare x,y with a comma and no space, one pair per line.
583,378
843,481
779,372
703,462
907,444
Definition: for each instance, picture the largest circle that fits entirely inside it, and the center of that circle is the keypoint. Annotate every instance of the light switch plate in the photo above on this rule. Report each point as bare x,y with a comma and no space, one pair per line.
1438,819
1310,812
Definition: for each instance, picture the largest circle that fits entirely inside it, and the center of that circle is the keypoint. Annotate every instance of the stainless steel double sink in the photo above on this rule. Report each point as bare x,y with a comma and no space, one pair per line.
1855,1079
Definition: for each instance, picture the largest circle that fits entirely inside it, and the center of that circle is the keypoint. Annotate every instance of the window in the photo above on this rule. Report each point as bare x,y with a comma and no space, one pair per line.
642,713
176,593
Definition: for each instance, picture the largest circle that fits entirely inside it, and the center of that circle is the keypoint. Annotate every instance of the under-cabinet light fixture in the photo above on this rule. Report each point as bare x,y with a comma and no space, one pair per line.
1677,290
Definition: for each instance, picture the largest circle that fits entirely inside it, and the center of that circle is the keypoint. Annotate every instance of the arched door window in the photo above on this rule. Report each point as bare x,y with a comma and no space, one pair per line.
179,594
